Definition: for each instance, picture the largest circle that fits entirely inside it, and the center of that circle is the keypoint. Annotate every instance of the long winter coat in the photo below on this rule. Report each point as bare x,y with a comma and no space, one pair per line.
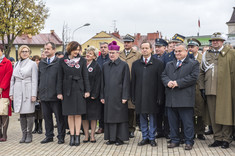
186,77
129,59
5,78
115,86
24,84
146,85
94,105
73,82
225,91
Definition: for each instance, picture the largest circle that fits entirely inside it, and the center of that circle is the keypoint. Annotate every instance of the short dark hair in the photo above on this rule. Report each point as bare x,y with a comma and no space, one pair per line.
52,45
145,41
73,46
1,47
36,57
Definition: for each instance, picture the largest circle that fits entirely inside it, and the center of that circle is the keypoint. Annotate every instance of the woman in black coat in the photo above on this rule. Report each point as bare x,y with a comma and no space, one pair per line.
73,88
93,103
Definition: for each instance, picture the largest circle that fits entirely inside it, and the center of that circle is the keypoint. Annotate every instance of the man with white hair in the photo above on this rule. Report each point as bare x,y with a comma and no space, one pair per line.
217,86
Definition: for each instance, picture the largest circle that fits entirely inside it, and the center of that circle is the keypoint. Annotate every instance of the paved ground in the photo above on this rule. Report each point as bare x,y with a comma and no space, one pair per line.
13,148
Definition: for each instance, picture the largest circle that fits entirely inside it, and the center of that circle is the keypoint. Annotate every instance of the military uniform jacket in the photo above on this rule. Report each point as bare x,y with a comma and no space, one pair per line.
186,77
115,86
225,85
146,85
129,59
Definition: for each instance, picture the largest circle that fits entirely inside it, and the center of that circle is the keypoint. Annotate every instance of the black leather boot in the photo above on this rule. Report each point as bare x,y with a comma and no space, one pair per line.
71,143
77,140
40,126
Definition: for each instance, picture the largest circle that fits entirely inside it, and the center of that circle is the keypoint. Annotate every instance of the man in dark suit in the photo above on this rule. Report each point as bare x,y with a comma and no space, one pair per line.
179,78
48,71
147,92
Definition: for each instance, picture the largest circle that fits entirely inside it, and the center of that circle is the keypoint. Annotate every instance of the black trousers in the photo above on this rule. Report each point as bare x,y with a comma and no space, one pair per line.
49,107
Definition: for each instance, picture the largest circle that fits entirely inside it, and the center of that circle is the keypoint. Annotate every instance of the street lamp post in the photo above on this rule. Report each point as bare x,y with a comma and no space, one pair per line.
87,24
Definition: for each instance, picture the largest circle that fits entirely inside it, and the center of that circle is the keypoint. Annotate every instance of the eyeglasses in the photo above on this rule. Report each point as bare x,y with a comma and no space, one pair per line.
24,51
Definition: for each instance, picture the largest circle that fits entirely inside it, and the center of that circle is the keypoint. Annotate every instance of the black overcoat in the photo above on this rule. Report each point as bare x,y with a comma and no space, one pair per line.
186,77
146,85
72,84
94,105
115,86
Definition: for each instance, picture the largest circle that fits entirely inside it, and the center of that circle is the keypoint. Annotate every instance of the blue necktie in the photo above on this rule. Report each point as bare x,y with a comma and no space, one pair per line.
178,63
48,61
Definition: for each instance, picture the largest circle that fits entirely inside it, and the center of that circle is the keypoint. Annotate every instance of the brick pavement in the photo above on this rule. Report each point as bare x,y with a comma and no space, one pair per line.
13,148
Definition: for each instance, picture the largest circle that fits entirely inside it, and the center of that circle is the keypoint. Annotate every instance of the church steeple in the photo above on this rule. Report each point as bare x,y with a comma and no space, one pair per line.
231,23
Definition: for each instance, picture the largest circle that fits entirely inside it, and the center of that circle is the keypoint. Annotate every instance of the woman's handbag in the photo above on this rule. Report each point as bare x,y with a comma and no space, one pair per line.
4,102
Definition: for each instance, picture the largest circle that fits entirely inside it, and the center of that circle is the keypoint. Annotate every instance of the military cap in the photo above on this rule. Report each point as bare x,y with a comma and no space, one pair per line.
128,38
177,38
218,36
193,42
160,42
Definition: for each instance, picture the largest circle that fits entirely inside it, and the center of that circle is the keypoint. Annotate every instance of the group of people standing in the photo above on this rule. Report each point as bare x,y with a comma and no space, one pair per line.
168,91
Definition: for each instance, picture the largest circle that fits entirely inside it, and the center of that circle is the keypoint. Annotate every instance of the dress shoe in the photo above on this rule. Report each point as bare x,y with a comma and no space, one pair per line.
71,142
153,143
60,141
173,145
46,140
188,147
119,142
225,145
85,141
143,142
159,135
131,135
77,140
216,143
100,130
201,137
110,142
93,141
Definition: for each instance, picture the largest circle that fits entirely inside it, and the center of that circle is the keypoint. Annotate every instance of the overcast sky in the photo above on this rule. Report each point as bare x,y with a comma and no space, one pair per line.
139,16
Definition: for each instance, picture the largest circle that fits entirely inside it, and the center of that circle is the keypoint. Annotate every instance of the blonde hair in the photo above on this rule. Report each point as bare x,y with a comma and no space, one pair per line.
21,48
94,49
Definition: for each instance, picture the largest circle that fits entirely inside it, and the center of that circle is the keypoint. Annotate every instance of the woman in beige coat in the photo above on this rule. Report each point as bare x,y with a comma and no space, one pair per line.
23,91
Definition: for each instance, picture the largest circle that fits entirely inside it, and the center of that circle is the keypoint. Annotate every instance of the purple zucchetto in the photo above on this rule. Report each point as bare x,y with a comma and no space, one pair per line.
113,46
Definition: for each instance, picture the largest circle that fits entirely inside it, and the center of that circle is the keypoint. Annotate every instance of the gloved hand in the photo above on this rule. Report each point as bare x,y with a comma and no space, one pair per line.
203,94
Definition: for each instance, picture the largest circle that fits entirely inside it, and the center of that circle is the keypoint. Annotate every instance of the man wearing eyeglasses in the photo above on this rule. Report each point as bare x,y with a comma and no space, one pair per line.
217,86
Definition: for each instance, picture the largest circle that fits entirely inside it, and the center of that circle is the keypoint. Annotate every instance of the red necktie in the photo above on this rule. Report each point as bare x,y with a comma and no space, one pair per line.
146,61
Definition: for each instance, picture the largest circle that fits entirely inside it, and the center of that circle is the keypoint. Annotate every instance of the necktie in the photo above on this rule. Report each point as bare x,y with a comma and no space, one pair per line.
179,63
127,52
48,61
146,61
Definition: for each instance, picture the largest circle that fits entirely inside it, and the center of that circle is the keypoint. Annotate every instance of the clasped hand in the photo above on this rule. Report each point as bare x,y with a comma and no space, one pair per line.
172,84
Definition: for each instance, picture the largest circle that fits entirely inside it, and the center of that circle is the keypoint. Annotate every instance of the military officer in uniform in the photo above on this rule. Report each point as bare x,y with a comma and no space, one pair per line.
199,107
160,49
217,84
129,55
